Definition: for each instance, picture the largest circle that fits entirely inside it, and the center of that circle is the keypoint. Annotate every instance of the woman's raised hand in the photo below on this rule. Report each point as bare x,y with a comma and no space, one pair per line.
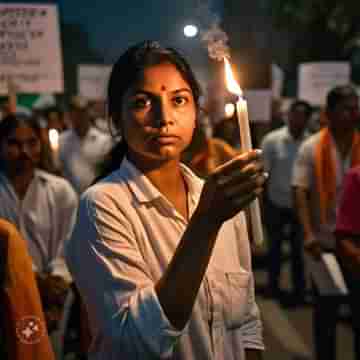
232,186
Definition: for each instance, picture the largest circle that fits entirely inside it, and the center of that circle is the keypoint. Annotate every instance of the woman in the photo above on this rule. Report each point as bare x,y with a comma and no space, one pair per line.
162,260
41,205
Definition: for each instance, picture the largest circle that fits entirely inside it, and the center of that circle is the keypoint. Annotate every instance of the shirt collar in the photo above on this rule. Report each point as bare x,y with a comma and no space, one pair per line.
145,191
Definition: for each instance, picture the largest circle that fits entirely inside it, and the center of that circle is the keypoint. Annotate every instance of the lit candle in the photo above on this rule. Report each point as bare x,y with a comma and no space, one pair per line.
246,145
54,145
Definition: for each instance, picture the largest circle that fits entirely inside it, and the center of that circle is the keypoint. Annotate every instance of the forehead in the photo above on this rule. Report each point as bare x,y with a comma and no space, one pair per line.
162,77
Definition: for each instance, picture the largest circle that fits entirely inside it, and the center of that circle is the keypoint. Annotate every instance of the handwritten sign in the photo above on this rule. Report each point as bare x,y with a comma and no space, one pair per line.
316,79
93,80
30,51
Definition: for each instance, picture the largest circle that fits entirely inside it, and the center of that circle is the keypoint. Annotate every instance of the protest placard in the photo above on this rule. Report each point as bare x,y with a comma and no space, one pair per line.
92,81
30,50
316,79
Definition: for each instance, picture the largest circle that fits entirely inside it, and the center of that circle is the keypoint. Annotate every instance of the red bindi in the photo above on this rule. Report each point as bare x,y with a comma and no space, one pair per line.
163,88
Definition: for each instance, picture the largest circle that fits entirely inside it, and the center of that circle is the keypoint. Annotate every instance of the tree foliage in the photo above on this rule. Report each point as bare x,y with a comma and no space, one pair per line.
322,29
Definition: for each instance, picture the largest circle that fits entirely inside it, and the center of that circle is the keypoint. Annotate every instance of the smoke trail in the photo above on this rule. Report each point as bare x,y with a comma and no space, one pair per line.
212,35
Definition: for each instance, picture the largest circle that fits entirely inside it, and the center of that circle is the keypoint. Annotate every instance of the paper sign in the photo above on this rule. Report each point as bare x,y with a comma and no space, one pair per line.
30,51
277,80
316,79
259,104
327,275
93,81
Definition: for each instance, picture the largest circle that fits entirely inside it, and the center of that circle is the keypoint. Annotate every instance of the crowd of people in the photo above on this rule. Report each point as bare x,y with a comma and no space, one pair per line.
146,220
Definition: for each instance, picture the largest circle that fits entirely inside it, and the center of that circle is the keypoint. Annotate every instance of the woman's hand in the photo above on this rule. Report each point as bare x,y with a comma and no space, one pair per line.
232,186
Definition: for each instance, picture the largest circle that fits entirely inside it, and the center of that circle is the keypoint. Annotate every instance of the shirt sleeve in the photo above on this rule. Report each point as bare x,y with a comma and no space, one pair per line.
267,148
120,298
347,220
301,174
252,330
66,205
251,327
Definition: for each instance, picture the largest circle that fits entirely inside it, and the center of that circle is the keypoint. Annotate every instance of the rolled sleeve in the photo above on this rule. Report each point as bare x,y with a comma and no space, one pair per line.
251,329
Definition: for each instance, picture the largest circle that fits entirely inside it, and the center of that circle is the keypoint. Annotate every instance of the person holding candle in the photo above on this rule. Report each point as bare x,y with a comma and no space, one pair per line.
318,174
167,254
41,205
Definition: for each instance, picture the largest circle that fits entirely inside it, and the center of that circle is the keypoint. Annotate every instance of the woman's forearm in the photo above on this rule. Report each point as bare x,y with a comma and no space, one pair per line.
178,288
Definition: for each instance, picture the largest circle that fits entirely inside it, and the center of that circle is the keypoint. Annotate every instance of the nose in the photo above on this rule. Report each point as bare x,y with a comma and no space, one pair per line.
163,115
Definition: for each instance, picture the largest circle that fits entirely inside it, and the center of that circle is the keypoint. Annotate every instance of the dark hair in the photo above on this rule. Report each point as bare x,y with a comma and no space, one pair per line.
13,121
301,104
125,72
338,94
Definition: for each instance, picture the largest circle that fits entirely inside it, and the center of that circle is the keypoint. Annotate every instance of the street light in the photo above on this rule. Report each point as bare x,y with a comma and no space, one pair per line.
190,30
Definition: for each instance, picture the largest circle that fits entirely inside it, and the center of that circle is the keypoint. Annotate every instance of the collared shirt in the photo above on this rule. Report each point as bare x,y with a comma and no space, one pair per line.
279,153
304,177
44,217
80,158
124,239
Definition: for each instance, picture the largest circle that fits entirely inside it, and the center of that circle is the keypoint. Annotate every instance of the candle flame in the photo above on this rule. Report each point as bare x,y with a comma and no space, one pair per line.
54,139
231,83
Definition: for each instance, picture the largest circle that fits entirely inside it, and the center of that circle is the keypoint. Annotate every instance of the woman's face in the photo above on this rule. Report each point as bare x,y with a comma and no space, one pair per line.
158,115
20,151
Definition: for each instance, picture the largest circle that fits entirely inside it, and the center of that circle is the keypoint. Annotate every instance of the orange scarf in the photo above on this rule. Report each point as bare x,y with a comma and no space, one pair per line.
21,302
325,169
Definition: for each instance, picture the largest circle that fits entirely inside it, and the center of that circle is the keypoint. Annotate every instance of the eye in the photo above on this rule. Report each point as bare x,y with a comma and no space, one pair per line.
180,100
139,103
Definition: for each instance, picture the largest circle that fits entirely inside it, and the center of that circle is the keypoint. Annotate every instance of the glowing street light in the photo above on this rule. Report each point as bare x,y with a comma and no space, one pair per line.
190,30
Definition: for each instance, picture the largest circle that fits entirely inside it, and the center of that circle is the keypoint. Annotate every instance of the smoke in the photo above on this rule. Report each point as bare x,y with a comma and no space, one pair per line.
212,35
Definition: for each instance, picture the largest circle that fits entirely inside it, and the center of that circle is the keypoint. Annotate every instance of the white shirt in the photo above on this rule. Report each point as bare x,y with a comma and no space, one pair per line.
279,153
304,177
44,217
81,158
124,239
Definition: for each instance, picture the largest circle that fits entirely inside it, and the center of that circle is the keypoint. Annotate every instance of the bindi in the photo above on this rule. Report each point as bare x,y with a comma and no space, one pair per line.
163,88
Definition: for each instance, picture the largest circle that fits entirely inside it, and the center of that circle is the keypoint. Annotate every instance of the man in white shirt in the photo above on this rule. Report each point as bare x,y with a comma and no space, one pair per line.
83,148
280,148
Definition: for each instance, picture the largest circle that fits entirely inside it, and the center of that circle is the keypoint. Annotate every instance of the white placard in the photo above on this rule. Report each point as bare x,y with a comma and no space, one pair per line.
259,104
277,80
93,80
316,79
30,50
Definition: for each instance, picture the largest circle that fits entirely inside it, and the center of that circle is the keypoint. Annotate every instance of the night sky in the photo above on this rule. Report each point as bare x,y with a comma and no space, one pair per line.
113,25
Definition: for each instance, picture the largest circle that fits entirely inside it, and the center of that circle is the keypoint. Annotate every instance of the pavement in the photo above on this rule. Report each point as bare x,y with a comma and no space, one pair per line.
288,331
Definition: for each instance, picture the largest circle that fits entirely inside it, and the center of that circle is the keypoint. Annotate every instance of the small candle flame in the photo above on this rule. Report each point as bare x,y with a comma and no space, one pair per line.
231,83
54,139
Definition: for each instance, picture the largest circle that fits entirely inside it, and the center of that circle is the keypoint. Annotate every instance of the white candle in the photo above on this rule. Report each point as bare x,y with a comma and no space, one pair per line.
246,145
54,145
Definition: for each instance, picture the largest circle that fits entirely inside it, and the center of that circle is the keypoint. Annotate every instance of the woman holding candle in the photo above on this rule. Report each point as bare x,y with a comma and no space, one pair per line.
168,255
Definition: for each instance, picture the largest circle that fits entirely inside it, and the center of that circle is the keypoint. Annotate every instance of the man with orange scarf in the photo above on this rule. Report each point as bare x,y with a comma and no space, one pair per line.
318,175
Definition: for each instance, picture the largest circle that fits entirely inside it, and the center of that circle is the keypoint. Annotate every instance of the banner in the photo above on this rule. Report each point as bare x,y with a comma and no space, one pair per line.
316,79
93,80
30,50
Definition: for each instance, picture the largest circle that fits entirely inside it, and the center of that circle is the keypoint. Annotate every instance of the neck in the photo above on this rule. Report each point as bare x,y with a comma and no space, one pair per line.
343,140
168,179
21,182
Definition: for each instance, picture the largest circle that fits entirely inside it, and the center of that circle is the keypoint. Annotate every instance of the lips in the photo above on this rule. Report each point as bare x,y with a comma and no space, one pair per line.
165,139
